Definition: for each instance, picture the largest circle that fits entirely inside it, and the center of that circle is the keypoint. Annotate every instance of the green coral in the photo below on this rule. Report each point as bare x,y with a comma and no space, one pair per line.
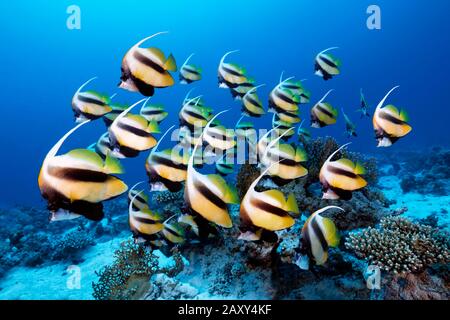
400,245
128,277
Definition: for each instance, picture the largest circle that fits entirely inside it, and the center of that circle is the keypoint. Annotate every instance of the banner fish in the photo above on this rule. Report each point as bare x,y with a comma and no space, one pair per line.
166,169
130,134
138,198
339,178
189,72
144,69
77,182
153,112
89,105
318,234
364,106
102,146
327,66
144,223
251,104
350,127
323,113
208,195
389,123
265,211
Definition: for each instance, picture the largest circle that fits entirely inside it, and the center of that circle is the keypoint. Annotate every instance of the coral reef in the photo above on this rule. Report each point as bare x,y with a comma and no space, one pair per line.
400,245
129,275
167,196
410,286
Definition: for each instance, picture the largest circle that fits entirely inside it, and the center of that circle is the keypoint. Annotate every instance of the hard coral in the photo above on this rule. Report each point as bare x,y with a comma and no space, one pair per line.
400,245
129,275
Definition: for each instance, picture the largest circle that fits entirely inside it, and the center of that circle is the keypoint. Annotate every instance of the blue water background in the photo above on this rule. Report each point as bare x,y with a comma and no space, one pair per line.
43,63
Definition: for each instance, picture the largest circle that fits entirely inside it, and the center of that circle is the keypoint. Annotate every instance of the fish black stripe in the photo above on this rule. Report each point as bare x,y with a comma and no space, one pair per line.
133,130
150,112
209,195
138,197
341,172
283,97
390,118
325,111
75,174
231,71
145,220
328,61
253,101
173,232
168,162
189,70
219,136
148,62
319,234
268,207
285,161
195,115
90,100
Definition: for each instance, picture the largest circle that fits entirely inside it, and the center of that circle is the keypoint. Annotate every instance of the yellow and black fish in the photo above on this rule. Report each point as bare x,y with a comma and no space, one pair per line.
138,198
341,177
144,69
189,72
77,182
239,91
173,231
282,99
89,105
130,134
208,195
102,146
218,137
153,112
323,113
296,87
318,234
193,116
327,66
189,221
166,169
251,104
262,213
389,123
231,75
287,159
144,223
282,127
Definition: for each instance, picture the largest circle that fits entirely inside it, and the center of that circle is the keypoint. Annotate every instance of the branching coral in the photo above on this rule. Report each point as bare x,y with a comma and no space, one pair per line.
72,243
129,275
400,245
246,175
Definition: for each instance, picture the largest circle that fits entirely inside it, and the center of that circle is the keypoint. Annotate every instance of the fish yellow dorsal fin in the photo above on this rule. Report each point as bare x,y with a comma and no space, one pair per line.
291,204
392,109
158,53
404,116
138,119
331,232
346,163
112,165
359,169
275,194
170,64
229,193
87,155
300,155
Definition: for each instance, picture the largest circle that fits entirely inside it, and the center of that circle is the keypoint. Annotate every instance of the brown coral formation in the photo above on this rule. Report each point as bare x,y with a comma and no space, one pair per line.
128,278
400,245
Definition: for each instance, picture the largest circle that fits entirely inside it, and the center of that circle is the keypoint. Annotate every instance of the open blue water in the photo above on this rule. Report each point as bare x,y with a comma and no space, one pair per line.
43,63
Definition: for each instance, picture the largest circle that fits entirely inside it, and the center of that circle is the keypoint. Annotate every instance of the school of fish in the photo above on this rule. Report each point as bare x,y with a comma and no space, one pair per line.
77,183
